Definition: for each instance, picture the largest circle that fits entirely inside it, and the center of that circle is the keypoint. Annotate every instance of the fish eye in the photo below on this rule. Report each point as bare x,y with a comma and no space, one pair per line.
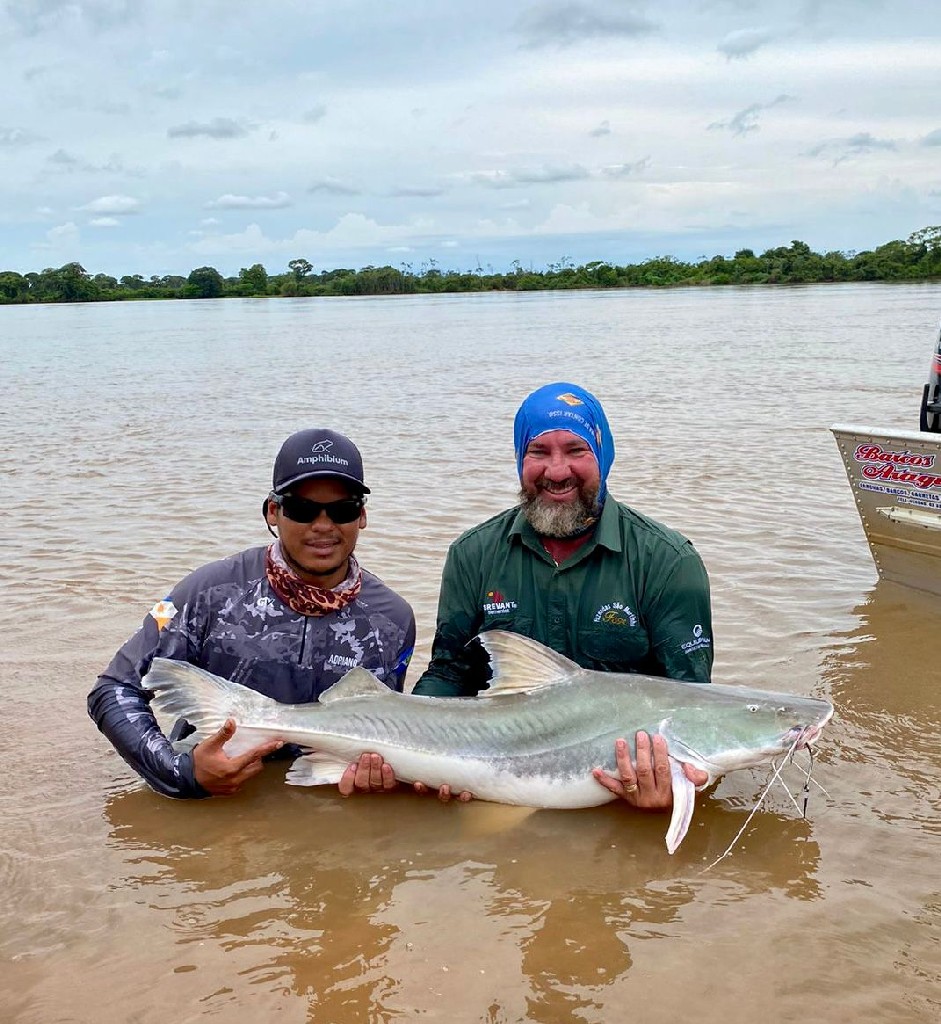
752,707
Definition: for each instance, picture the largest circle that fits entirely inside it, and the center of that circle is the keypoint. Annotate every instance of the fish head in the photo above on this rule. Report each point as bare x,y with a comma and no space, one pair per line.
739,727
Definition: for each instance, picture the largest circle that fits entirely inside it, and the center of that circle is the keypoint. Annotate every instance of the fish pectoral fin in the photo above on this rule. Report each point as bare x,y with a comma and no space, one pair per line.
520,664
316,769
684,802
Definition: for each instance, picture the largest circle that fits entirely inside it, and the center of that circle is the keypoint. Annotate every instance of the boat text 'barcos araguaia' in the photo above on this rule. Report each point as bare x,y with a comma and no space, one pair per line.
896,480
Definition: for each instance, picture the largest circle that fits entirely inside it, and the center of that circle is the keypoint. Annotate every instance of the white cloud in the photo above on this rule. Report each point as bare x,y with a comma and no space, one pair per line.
63,232
117,205
351,231
334,187
856,145
628,170
10,137
63,242
545,175
277,201
746,120
416,192
104,222
744,42
217,128
563,24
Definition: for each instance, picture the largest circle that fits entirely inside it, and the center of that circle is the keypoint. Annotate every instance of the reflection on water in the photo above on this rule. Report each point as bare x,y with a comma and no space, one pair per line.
410,905
883,676
160,421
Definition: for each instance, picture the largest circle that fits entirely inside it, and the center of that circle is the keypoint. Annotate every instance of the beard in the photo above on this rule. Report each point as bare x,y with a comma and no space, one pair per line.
555,519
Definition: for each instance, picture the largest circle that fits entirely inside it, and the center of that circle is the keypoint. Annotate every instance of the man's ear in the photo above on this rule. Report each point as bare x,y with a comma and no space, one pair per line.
271,512
362,519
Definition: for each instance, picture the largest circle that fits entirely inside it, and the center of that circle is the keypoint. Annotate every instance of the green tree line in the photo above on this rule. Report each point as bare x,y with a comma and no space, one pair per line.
918,258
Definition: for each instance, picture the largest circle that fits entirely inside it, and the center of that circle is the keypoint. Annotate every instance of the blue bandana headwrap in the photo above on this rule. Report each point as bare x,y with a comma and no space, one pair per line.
565,407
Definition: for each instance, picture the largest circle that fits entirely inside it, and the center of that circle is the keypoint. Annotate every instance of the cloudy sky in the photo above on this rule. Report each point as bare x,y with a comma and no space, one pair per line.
154,136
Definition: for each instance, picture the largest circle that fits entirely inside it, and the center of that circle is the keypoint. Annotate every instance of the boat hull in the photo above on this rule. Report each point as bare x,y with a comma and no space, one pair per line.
895,476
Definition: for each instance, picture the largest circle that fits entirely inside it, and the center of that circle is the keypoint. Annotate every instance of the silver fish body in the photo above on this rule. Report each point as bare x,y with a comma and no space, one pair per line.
532,739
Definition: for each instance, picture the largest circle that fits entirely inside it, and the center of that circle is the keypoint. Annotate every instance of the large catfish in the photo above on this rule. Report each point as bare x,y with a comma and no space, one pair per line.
532,738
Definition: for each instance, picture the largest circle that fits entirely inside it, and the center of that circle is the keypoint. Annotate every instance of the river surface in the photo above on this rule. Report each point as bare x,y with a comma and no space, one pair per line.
136,442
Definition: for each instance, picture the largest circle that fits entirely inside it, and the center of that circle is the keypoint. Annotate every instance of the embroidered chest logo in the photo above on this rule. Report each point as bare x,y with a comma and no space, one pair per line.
497,604
615,614
698,642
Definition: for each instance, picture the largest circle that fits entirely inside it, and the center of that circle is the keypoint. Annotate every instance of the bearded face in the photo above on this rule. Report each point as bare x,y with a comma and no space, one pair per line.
550,518
560,484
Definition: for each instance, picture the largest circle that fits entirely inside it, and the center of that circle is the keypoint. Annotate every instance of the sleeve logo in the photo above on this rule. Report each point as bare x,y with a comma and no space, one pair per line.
162,612
697,643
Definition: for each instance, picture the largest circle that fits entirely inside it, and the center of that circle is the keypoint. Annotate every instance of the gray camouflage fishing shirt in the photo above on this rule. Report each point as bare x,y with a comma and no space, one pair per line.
225,618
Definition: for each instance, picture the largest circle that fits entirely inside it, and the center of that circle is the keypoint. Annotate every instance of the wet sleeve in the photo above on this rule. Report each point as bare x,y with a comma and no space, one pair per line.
404,655
455,670
120,707
680,621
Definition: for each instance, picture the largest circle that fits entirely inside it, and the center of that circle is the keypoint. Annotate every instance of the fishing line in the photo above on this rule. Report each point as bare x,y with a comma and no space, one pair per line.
808,774
806,789
797,806
808,779
774,778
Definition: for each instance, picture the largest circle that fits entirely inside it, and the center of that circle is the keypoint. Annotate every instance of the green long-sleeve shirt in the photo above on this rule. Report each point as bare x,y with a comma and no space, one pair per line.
633,598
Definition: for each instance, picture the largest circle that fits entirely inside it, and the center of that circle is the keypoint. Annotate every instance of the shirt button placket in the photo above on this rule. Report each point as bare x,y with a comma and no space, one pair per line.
556,613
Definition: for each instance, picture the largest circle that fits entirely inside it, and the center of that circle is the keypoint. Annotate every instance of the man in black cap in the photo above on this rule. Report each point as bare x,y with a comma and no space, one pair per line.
287,620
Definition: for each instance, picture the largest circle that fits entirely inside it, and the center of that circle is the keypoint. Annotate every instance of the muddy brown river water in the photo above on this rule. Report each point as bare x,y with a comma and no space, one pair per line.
135,444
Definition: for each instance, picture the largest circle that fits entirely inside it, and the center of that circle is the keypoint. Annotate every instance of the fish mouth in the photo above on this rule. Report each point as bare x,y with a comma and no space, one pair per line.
801,737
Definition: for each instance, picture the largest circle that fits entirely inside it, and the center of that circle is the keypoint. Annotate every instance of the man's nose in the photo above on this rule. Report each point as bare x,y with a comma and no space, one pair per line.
322,522
557,467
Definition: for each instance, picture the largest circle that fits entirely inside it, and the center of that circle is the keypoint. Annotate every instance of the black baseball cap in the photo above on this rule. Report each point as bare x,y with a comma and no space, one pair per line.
317,453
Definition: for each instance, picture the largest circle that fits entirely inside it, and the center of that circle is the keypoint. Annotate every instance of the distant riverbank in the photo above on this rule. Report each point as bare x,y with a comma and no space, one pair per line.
918,258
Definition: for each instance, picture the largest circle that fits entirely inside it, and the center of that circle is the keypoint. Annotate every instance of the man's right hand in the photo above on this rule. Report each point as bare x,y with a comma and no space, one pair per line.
221,775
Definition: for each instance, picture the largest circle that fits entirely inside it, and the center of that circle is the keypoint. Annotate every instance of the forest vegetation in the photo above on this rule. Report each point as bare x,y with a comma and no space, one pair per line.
918,258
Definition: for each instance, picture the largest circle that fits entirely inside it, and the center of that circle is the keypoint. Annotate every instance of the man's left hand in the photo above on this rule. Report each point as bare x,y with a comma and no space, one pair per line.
647,784
371,774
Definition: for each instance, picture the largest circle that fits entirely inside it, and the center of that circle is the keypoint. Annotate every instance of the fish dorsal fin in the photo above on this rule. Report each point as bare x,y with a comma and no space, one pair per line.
358,682
520,664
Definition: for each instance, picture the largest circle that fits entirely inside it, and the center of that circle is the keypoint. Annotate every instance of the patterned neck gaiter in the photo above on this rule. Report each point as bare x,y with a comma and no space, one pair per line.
307,598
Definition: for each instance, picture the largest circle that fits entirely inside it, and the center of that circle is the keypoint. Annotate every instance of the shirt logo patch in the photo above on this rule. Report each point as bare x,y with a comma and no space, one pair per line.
698,642
162,612
569,399
497,604
616,614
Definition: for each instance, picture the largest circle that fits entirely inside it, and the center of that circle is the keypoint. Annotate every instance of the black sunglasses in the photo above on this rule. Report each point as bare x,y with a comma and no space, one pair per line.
303,510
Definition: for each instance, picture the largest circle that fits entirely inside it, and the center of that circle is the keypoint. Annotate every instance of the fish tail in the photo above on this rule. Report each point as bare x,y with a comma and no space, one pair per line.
204,700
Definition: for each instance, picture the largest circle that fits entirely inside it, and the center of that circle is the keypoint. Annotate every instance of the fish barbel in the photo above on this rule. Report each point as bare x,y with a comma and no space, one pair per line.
531,739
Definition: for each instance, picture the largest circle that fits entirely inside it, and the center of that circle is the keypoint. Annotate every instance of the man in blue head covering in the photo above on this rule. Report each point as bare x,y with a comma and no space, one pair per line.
580,572
564,451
